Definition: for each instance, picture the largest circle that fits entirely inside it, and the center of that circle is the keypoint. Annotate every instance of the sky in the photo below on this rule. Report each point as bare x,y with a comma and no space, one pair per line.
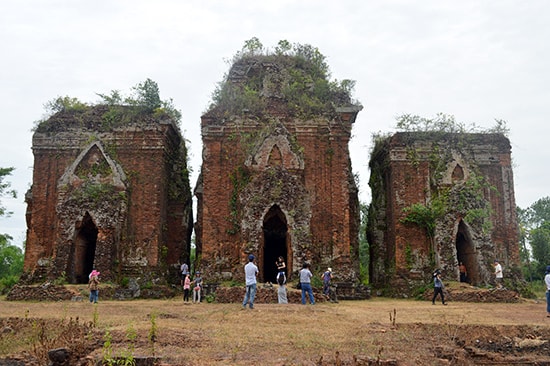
476,60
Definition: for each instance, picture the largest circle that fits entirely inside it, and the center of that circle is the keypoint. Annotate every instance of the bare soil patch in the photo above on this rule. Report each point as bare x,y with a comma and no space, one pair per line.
378,331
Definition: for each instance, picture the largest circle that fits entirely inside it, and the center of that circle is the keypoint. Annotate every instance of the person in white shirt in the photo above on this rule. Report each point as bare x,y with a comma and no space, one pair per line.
250,273
498,274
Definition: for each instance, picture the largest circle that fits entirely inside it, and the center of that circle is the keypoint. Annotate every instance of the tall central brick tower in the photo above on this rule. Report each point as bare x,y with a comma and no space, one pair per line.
276,177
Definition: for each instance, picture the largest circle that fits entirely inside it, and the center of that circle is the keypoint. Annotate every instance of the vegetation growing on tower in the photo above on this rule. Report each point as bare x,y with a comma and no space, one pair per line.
293,76
112,111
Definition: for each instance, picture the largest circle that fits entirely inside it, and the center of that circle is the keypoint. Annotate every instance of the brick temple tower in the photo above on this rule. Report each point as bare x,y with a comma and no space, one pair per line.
276,177
110,190
439,199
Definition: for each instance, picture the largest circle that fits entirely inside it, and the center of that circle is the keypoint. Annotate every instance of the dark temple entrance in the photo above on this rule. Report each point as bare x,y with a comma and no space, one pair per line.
275,243
84,249
465,252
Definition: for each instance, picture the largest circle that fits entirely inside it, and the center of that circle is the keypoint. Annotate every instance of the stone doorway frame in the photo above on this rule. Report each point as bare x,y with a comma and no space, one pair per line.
466,251
84,247
268,256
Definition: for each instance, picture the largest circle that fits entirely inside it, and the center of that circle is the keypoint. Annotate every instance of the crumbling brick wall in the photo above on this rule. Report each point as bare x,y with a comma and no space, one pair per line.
114,197
275,183
466,182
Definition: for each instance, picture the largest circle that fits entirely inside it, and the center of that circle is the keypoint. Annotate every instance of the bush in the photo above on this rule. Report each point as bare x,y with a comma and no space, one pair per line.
6,283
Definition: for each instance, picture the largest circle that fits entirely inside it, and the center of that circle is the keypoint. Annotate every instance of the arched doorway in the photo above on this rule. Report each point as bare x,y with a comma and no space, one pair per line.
465,252
84,249
275,232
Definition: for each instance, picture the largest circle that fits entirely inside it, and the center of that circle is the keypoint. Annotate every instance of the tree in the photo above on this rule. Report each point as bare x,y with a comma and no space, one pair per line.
535,228
363,243
4,189
283,47
252,47
540,244
11,256
539,212
146,95
524,252
11,263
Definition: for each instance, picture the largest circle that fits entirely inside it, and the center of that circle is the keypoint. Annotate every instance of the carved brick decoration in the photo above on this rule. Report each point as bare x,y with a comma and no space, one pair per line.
465,182
110,191
276,184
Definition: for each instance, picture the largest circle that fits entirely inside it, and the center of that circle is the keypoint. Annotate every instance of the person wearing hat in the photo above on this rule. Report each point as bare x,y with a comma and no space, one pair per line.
547,282
197,288
250,273
438,287
93,286
498,274
327,276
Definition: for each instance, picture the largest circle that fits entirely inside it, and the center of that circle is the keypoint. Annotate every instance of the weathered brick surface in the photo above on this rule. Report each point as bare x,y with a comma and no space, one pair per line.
122,183
300,167
410,168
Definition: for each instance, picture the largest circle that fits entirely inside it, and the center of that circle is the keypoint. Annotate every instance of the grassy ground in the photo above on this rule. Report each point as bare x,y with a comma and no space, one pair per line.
411,332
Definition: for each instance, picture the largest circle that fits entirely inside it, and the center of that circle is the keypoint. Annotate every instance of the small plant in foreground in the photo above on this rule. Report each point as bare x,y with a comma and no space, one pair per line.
153,332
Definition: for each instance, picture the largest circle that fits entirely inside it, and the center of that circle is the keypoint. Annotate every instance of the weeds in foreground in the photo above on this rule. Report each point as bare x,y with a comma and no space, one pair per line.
42,337
95,315
451,329
126,358
393,317
153,333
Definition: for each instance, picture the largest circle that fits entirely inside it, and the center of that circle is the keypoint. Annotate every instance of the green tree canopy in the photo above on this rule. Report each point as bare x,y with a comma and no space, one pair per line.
534,223
5,189
11,256
540,244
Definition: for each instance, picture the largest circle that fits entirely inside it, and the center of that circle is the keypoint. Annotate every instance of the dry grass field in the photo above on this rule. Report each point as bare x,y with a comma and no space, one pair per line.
376,331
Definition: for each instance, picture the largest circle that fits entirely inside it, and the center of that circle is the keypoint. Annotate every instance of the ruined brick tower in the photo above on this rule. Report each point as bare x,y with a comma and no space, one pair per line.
439,199
276,177
110,189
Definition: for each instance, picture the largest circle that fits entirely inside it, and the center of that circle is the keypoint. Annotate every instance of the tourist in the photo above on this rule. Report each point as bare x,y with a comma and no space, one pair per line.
305,282
186,287
250,273
197,287
547,282
184,269
281,291
281,268
498,274
463,273
93,285
438,287
327,276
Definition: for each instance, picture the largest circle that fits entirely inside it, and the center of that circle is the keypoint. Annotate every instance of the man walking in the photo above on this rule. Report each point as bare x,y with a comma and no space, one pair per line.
250,273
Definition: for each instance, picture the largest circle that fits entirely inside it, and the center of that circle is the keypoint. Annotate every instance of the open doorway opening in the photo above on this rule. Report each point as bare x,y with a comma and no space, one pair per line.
465,252
84,249
275,232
